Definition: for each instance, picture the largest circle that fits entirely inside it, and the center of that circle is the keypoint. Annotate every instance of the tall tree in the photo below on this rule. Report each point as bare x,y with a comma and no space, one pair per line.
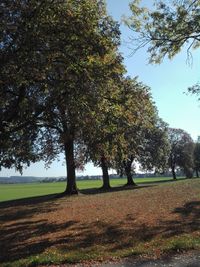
20,83
103,138
67,52
181,151
139,125
155,151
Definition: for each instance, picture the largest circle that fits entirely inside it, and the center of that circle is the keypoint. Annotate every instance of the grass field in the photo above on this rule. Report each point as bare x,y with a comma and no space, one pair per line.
17,191
146,222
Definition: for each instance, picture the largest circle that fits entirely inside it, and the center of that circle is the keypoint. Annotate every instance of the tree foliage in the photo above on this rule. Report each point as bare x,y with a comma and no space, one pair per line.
102,139
20,83
181,152
156,148
57,58
142,131
197,158
167,28
62,90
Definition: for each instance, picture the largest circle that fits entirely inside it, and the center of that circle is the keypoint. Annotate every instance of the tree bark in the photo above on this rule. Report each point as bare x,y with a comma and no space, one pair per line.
71,188
128,165
197,173
173,172
172,165
106,180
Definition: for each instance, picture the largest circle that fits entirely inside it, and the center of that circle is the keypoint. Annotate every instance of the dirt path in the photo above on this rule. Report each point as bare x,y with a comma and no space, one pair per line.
181,260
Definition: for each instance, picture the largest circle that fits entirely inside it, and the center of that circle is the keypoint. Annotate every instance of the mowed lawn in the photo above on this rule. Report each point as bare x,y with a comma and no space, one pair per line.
17,191
150,221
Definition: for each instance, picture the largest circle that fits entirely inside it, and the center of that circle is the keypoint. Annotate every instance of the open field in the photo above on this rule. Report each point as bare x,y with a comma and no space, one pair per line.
150,221
17,191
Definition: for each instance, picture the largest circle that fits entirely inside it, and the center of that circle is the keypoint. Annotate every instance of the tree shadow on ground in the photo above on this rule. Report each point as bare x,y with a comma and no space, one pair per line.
95,191
17,240
171,180
189,220
27,207
38,200
20,239
30,200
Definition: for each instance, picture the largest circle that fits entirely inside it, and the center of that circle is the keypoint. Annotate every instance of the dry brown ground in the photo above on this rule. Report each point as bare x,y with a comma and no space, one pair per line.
108,221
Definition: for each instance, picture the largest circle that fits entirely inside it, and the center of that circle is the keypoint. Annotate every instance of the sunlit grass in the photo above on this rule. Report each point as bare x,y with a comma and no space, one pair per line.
18,191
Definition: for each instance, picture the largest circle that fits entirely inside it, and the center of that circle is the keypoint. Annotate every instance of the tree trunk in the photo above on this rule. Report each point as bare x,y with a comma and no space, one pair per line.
128,165
173,172
172,164
106,180
71,188
197,173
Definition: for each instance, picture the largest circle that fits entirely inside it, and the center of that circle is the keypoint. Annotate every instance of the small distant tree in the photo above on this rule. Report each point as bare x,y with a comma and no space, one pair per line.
181,152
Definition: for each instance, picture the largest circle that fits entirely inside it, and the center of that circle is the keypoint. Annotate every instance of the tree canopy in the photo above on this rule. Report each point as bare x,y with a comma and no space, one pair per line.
144,140
181,152
167,28
57,59
63,89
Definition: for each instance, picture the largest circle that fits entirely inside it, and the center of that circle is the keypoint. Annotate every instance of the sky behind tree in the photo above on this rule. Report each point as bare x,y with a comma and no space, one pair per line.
168,82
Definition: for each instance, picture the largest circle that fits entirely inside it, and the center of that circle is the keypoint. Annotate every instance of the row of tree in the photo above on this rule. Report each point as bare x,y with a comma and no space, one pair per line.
63,88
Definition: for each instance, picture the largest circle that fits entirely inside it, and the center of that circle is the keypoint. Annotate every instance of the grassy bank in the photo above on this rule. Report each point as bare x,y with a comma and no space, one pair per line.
17,191
144,221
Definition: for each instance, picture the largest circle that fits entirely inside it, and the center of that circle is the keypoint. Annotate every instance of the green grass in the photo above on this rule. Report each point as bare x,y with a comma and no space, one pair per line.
153,249
18,191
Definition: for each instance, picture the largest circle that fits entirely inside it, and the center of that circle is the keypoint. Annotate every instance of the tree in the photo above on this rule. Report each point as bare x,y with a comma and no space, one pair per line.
66,52
141,129
197,158
103,139
20,83
87,75
181,151
137,111
116,140
155,151
166,29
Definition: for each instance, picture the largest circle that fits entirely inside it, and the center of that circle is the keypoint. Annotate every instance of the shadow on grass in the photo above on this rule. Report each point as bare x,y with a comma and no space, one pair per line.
20,239
29,201
27,207
171,180
90,191
94,191
14,210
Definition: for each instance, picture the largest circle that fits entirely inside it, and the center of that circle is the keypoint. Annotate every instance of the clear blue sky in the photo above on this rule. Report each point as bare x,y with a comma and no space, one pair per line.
168,82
